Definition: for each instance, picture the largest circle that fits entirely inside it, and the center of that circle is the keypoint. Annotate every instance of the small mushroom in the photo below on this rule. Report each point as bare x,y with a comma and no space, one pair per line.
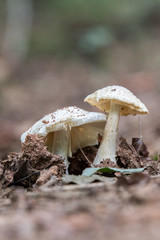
68,129
115,100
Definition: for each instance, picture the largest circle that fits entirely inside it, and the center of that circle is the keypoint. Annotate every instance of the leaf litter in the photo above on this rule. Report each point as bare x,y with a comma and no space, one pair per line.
35,165
42,174
35,190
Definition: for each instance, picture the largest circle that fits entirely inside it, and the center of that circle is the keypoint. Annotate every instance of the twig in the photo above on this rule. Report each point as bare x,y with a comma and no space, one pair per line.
86,158
24,178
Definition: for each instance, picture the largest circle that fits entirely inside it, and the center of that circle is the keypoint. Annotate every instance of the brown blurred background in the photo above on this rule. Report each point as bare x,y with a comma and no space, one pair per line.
54,53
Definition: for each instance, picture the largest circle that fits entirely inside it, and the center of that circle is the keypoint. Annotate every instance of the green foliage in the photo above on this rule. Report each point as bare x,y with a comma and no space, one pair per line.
155,157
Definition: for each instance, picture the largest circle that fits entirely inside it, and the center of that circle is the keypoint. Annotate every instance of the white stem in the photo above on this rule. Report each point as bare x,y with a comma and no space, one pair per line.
107,148
62,144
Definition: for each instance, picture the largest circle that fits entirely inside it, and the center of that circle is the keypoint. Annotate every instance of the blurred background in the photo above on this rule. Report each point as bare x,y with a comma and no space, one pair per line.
54,53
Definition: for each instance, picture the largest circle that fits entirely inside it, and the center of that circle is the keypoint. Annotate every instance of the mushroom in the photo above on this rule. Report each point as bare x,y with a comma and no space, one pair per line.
115,100
68,129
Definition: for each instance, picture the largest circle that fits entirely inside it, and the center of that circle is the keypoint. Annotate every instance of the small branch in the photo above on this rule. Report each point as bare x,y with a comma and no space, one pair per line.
24,178
86,157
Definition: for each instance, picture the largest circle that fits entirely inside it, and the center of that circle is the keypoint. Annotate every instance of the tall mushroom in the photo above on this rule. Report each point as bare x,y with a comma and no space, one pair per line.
68,129
115,100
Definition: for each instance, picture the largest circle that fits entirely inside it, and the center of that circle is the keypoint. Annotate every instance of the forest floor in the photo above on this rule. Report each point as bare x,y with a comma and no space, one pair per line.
112,208
96,210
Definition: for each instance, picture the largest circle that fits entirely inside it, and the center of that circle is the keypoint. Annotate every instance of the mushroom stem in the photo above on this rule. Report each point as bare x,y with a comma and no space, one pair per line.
107,148
62,144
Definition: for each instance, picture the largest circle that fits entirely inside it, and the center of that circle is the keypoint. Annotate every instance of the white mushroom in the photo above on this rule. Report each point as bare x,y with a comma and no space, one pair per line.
68,129
116,101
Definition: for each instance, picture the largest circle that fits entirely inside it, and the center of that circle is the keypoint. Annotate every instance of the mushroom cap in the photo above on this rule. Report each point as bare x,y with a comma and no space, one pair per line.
131,105
63,119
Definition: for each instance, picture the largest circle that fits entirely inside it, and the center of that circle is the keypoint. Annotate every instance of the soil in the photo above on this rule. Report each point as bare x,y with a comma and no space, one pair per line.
93,211
33,163
35,201
82,159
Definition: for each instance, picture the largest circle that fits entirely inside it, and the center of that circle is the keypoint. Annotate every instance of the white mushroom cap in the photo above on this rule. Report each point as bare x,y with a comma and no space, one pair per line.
119,95
68,129
62,119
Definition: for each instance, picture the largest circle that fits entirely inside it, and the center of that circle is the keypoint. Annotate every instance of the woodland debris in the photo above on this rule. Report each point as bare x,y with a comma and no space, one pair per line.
25,167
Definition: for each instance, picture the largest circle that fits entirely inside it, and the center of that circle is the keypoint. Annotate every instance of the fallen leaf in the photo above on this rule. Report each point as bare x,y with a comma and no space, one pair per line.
91,171
82,179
